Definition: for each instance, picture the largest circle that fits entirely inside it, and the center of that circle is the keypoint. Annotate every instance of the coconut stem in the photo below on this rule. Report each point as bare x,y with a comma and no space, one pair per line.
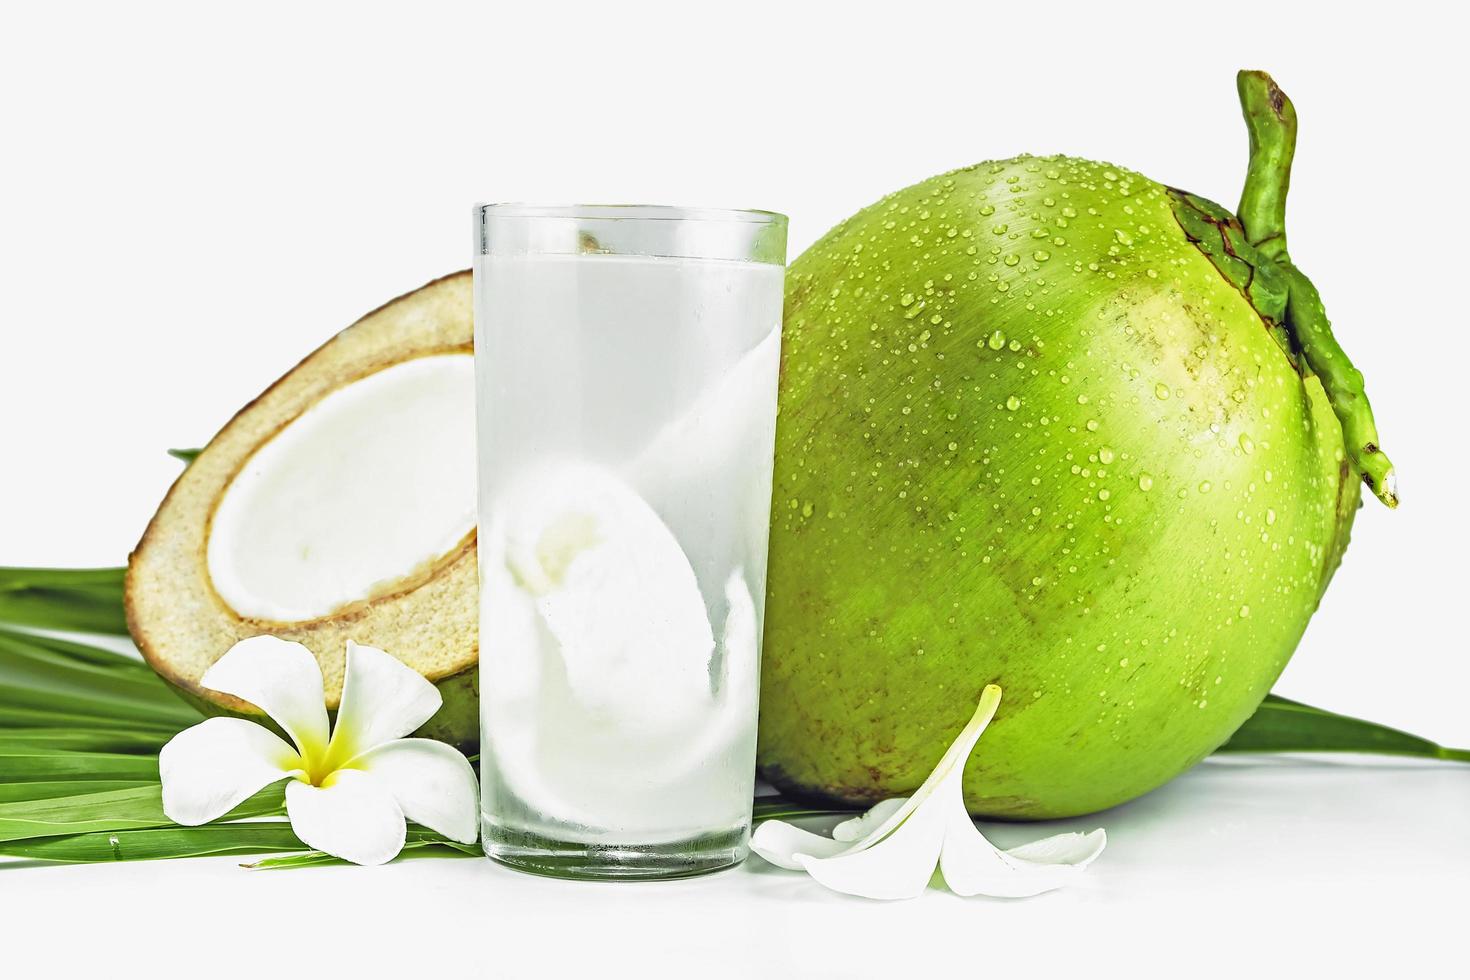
1343,383
1271,120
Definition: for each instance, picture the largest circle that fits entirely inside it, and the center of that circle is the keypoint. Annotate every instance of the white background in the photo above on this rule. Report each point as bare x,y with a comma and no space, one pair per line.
193,197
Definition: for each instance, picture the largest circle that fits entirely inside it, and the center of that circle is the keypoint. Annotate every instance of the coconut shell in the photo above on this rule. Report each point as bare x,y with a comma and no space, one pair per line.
428,618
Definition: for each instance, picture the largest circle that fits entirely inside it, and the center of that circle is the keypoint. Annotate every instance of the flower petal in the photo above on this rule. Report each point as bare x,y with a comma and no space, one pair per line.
780,842
971,865
956,755
783,841
1078,850
433,784
216,765
898,866
351,817
382,699
891,851
856,828
280,678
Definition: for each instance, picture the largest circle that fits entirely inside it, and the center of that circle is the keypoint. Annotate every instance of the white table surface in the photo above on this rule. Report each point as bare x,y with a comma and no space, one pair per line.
1244,863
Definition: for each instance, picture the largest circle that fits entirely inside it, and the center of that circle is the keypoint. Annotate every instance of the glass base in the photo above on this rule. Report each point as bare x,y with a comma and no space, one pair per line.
533,853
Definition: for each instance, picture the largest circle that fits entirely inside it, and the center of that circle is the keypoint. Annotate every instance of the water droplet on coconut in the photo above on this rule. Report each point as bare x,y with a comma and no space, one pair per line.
997,340
1145,482
1204,486
1103,494
1245,611
1105,455
1161,391
906,299
1270,516
1013,403
1247,444
1092,425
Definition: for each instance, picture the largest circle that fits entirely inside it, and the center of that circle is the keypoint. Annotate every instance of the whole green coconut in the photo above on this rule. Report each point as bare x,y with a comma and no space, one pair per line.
1050,424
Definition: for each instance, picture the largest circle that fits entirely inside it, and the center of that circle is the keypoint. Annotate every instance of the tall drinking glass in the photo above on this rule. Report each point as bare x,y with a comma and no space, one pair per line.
626,362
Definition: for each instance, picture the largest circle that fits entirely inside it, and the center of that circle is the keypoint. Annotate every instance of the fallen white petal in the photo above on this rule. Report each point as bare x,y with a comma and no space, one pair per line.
280,678
353,817
786,844
780,842
1078,850
971,865
856,828
432,783
898,866
382,699
891,851
876,826
216,765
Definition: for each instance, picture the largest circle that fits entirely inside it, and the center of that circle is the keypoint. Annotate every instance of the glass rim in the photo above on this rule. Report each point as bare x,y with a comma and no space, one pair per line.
628,212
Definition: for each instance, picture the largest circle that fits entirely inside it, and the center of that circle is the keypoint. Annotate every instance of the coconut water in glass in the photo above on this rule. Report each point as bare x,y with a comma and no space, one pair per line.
626,362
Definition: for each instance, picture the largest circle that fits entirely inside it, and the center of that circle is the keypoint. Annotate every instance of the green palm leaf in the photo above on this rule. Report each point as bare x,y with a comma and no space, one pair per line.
88,600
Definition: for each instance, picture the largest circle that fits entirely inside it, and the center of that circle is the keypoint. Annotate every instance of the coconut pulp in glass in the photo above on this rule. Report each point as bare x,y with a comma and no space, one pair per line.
626,418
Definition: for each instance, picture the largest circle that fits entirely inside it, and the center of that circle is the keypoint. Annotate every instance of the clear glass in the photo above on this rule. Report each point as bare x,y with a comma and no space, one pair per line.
626,362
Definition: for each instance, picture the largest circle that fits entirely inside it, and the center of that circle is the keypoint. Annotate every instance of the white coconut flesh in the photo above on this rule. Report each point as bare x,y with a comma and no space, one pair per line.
366,488
623,694
609,688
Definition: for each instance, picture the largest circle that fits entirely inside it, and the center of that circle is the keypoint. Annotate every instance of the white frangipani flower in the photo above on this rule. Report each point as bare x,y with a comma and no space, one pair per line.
349,793
891,851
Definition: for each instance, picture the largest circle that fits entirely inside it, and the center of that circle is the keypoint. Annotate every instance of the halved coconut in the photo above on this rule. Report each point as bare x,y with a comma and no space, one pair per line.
338,505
